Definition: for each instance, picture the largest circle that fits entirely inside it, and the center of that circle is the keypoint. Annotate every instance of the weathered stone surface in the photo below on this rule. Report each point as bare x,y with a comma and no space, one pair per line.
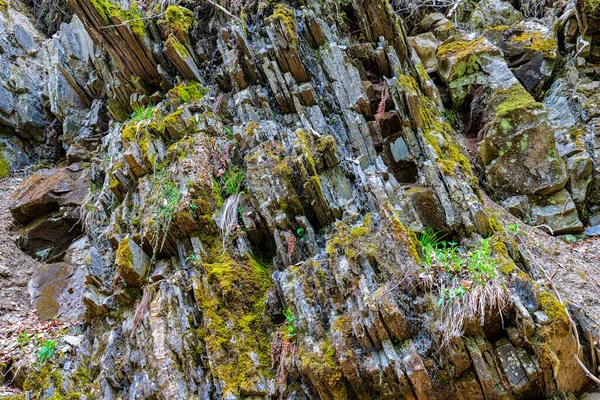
48,237
48,190
530,50
132,263
56,292
513,127
425,45
556,211
494,13
283,206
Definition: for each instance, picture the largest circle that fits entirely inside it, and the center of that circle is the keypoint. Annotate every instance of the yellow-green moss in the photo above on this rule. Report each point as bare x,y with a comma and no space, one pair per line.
4,166
251,128
179,20
188,93
554,309
590,6
232,300
323,364
175,44
515,98
124,258
132,15
285,15
459,48
539,42
3,6
499,28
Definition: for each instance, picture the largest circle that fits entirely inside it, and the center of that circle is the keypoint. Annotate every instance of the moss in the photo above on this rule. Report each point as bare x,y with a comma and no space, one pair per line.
499,28
514,99
176,45
124,258
232,299
109,10
3,6
251,128
539,42
4,166
179,20
323,365
459,48
554,309
285,15
113,184
188,93
408,83
590,6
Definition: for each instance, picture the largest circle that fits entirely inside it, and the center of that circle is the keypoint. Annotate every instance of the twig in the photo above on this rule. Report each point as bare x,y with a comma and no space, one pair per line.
220,7
133,20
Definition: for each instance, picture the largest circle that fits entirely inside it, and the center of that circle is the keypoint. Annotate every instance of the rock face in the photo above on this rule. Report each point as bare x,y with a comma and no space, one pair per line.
48,206
256,185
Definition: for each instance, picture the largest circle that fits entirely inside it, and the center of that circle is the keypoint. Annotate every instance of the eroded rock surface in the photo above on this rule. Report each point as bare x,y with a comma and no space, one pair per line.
250,187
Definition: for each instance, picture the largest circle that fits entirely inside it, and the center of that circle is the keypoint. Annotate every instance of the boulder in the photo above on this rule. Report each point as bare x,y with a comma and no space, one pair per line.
517,147
530,51
47,190
56,291
494,13
425,45
48,237
557,211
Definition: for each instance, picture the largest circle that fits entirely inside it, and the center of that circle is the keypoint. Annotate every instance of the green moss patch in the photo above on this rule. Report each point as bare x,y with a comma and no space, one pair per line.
4,166
179,21
187,93
132,15
236,330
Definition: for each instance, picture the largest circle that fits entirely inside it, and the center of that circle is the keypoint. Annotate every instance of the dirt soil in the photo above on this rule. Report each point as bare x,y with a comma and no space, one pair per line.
16,268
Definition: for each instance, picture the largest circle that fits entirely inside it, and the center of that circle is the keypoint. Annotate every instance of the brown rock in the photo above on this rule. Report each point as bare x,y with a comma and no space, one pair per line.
47,190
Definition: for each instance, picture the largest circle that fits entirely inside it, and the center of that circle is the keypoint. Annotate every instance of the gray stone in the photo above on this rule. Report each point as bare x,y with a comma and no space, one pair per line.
132,263
517,206
25,40
541,317
517,377
4,271
556,211
7,101
592,231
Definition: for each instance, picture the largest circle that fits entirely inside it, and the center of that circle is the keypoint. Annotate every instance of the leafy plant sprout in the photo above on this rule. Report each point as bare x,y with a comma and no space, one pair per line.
290,331
141,113
465,278
46,351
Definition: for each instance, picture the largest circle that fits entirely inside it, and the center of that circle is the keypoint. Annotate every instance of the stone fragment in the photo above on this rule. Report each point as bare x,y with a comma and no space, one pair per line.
132,263
556,211
512,367
56,291
47,190
425,45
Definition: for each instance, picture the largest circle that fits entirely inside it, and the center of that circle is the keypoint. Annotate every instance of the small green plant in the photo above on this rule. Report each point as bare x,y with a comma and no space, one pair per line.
300,234
46,351
448,295
481,264
23,339
515,229
141,113
228,132
193,258
290,331
233,181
